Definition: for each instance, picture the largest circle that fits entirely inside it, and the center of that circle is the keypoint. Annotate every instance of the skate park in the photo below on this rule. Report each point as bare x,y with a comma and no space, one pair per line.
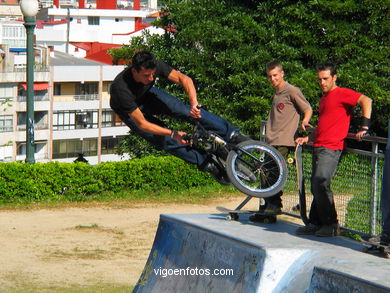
207,253
264,258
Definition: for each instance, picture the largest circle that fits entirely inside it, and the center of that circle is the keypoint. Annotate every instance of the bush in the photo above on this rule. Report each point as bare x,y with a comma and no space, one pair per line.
20,182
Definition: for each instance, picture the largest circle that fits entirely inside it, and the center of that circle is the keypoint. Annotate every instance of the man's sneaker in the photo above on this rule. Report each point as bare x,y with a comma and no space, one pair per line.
270,210
383,239
309,229
328,231
217,172
256,218
263,219
236,137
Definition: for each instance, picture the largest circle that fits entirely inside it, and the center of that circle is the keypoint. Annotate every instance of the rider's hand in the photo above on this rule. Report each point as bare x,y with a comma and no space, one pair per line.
360,134
178,136
305,125
195,112
302,140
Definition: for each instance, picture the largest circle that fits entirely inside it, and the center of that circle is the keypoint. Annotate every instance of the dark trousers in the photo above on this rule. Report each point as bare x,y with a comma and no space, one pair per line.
159,102
385,196
324,164
276,199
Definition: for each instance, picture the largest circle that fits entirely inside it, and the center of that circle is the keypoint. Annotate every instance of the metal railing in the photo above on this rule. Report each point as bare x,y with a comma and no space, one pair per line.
356,185
37,98
71,98
86,97
23,68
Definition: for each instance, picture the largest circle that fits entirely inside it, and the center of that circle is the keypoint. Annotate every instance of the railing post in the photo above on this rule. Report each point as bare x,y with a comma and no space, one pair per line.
374,188
262,130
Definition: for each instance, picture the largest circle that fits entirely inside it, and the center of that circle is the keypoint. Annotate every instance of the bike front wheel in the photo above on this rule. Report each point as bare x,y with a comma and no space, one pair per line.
256,169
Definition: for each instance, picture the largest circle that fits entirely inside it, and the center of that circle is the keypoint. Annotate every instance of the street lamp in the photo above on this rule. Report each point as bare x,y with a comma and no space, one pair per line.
30,9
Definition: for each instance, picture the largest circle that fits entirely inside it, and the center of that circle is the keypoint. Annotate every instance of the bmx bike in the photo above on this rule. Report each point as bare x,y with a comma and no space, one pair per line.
253,167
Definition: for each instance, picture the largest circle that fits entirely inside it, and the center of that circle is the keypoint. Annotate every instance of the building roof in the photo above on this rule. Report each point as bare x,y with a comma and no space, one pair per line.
96,51
63,59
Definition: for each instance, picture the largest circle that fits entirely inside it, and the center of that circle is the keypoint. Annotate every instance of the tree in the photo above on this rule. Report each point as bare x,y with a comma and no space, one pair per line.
224,46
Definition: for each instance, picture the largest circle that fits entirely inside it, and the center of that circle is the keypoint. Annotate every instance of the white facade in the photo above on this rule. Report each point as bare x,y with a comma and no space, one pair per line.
113,26
57,138
13,34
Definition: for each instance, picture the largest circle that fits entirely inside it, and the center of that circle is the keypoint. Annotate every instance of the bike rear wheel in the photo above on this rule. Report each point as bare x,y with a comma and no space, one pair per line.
256,169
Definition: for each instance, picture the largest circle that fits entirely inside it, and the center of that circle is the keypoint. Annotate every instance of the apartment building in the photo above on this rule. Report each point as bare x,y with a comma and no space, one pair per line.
71,108
71,95
81,120
71,30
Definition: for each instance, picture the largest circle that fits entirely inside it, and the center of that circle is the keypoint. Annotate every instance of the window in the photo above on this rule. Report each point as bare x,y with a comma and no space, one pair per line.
87,91
40,120
93,20
6,92
71,148
57,89
65,120
111,119
109,144
6,123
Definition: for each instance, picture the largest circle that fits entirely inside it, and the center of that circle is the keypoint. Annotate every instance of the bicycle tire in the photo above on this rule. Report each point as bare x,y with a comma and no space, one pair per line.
268,167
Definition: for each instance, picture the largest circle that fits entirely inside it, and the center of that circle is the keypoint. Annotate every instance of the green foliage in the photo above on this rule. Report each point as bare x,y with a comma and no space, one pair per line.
224,46
20,182
137,147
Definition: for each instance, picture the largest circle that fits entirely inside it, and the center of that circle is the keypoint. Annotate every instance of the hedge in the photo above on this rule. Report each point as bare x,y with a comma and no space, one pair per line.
21,182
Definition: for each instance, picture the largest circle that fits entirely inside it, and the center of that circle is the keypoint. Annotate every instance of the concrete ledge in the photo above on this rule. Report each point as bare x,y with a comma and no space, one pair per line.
206,253
333,281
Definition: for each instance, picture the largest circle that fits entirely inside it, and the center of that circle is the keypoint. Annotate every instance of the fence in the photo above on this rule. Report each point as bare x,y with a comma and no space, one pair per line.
356,185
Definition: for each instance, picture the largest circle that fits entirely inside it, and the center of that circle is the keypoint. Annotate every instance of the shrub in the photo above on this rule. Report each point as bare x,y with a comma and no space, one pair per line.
20,182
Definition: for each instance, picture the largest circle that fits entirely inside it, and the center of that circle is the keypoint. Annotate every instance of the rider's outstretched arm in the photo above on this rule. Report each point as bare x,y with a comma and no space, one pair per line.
139,119
188,85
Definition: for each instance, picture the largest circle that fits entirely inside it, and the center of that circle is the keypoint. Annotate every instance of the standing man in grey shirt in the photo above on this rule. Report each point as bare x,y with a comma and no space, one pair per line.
282,125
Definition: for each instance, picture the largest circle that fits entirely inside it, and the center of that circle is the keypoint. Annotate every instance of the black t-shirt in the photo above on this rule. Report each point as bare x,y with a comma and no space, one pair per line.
127,94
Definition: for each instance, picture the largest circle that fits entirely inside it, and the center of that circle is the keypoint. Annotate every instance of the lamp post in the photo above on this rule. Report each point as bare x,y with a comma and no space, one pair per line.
30,9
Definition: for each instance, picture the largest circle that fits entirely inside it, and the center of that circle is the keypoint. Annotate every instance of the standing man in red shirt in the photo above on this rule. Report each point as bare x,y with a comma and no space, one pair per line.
335,111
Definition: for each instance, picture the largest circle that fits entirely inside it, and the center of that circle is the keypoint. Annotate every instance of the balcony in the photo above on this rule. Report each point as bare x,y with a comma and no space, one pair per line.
37,126
72,98
18,73
37,98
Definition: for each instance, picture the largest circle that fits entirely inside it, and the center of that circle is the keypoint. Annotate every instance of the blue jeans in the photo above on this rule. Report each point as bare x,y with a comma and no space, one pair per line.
324,164
159,102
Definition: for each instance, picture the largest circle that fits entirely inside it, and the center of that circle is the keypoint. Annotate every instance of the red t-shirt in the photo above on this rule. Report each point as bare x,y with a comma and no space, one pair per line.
334,117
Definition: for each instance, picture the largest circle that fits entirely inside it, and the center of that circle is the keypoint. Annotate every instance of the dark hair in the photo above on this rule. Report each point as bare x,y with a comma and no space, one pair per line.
143,59
327,66
272,65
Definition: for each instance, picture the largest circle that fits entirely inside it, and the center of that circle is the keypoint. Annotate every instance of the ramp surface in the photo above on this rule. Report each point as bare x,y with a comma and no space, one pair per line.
206,253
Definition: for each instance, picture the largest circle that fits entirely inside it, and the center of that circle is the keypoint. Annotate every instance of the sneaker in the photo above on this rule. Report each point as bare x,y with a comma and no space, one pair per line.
383,239
236,137
328,231
263,219
257,218
374,239
217,172
309,229
270,210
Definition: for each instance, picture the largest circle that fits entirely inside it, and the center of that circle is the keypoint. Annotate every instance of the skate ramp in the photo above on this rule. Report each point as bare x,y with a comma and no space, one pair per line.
206,253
